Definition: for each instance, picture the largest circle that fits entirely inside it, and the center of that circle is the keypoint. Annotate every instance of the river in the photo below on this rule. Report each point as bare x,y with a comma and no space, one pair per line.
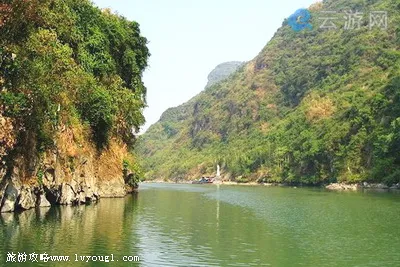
209,225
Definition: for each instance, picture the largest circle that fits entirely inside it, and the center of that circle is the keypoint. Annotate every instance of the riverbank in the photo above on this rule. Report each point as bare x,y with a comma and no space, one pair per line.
331,186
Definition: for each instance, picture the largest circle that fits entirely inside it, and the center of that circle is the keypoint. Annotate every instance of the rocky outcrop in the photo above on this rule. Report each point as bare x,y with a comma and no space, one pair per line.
10,198
377,186
361,186
60,177
342,187
223,71
56,191
42,201
27,198
113,188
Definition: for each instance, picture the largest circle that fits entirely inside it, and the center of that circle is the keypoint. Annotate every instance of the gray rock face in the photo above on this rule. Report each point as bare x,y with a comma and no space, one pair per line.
223,71
114,188
342,187
10,198
43,202
58,186
68,196
27,199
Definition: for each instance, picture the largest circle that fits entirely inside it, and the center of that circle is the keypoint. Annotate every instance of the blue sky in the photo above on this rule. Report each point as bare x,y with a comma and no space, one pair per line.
188,38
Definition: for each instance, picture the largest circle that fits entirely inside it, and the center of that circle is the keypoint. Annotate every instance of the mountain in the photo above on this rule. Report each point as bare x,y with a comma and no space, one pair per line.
314,106
223,71
70,94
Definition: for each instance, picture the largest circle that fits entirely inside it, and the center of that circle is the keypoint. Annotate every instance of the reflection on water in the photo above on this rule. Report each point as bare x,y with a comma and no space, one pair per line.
98,229
196,225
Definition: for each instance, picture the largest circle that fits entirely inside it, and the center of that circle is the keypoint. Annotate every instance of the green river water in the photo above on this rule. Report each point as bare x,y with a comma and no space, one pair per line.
210,225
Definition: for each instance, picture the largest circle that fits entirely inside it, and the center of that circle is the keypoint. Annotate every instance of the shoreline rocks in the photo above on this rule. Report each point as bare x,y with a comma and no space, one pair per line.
362,186
22,197
58,185
342,187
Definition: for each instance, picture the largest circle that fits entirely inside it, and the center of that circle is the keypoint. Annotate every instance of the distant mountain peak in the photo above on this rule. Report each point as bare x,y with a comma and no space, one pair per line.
223,71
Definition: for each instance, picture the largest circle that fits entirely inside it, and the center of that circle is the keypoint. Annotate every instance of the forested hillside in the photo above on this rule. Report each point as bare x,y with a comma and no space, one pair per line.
71,96
315,106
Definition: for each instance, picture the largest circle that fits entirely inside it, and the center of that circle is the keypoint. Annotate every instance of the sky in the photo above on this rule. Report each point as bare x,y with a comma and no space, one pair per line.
189,38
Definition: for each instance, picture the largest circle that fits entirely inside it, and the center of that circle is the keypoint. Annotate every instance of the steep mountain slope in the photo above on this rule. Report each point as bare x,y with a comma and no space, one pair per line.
315,106
70,95
222,71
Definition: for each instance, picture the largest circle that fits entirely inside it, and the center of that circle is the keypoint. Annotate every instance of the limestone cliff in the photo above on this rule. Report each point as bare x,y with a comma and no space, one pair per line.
71,96
74,172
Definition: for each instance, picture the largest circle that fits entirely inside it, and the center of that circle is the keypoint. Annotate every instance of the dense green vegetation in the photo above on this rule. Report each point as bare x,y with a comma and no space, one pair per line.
315,106
68,63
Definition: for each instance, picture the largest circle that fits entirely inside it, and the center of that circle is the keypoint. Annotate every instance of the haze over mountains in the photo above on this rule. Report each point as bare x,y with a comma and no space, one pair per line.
314,106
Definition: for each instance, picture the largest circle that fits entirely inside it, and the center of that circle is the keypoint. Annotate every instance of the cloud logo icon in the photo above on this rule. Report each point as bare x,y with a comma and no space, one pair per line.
300,20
